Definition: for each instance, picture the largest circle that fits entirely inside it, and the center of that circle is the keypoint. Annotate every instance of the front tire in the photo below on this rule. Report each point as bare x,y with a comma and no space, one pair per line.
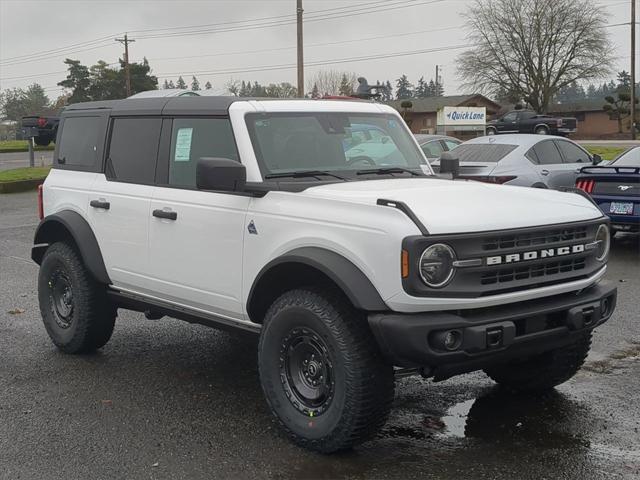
542,131
74,307
491,131
321,371
544,371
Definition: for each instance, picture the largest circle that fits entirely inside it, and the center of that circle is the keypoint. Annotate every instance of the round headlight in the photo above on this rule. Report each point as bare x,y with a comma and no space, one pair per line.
436,265
604,241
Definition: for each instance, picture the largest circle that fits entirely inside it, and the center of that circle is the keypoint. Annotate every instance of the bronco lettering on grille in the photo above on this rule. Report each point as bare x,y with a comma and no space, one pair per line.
535,254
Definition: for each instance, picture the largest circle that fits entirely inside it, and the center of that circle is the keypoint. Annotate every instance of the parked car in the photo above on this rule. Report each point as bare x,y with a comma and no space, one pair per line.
528,121
249,215
524,160
434,145
46,128
615,187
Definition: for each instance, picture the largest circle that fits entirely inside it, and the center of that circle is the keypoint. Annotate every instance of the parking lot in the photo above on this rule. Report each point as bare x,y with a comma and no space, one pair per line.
165,399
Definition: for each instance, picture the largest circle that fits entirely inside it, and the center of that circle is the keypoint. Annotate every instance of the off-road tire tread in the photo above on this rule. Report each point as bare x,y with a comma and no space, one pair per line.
95,326
370,380
545,371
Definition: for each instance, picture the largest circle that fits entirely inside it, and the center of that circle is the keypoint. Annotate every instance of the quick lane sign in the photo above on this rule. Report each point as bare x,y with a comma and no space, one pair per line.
462,116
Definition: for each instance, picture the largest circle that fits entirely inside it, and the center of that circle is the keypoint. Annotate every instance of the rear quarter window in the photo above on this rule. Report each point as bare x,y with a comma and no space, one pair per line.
81,143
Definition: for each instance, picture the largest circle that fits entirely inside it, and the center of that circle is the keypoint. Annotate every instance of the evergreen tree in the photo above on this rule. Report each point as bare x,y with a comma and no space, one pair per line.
388,91
207,86
171,84
421,88
314,91
77,81
195,84
346,88
181,84
618,107
165,85
404,88
624,80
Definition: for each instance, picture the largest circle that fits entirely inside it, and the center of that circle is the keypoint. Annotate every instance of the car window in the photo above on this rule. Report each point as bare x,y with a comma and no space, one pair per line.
194,138
432,149
630,158
547,153
79,141
527,115
572,153
510,117
482,152
450,144
133,150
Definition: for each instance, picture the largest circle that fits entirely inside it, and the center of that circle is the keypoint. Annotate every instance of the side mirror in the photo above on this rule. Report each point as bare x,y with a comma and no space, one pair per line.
220,174
450,163
596,159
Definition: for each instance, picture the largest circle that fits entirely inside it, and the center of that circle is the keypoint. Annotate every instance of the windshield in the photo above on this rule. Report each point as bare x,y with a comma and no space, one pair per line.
630,158
484,153
334,142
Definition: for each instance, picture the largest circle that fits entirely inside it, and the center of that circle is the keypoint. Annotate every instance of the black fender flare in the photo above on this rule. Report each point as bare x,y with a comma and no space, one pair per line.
347,276
69,223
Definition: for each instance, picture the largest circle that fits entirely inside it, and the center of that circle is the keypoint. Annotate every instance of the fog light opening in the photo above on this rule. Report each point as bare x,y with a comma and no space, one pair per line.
605,307
449,340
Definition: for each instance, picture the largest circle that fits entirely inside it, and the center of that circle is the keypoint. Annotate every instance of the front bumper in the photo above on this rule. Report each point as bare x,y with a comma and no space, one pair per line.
491,335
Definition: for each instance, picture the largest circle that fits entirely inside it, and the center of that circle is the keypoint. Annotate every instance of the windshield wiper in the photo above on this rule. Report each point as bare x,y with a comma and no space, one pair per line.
383,170
305,173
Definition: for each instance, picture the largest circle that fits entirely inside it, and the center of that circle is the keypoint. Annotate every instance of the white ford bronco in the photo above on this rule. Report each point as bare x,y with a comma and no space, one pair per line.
319,225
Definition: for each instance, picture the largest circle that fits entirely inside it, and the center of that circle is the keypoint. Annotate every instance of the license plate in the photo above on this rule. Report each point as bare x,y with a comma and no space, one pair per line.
621,208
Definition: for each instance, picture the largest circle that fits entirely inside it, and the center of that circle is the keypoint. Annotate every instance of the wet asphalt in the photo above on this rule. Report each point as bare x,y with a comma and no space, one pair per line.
165,399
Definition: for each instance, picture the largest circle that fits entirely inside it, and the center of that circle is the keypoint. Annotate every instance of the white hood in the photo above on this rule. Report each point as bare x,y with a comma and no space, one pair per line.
463,206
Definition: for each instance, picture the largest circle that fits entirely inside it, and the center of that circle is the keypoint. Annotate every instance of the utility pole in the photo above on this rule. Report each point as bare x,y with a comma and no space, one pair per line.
300,50
127,71
633,69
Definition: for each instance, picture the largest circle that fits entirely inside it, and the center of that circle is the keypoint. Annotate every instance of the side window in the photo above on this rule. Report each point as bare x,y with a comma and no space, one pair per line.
133,150
79,141
547,153
432,149
510,117
572,153
450,144
194,138
531,155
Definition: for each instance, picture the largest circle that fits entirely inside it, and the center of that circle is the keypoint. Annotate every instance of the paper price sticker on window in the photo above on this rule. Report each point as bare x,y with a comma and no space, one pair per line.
183,145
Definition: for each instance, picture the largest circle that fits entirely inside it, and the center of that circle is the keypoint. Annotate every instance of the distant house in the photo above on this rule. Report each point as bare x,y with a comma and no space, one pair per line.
421,117
593,121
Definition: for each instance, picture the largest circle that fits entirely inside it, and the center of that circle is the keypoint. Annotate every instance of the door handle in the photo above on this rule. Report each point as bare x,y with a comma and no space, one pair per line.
100,204
544,172
165,214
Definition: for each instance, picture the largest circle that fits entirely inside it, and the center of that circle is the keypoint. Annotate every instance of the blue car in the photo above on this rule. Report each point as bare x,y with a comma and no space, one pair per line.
615,187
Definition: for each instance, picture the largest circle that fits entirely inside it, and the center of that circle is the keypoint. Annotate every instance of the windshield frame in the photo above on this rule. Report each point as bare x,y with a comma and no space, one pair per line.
424,168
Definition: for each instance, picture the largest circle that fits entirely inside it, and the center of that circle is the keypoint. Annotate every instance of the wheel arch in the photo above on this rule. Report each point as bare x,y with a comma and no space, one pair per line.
68,225
308,266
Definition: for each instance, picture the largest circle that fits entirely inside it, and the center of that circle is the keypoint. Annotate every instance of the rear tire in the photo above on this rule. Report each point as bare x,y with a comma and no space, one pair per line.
544,371
75,310
321,371
542,131
491,131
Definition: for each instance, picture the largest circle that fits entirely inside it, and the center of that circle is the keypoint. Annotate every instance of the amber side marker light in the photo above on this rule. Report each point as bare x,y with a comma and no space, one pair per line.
405,264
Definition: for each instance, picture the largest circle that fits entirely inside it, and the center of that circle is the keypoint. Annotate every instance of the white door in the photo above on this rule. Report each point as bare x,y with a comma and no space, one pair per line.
196,237
120,199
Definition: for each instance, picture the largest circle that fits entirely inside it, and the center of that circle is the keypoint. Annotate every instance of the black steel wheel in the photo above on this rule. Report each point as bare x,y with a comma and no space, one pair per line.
74,307
306,371
321,371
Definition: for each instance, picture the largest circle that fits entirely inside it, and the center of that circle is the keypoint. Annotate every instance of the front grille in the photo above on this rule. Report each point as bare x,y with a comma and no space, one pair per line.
538,270
535,239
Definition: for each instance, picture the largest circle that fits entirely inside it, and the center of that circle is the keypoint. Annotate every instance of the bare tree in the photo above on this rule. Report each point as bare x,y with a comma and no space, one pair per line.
330,81
533,48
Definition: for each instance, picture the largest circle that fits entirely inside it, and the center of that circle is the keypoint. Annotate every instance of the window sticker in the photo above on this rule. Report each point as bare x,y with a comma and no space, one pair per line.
183,145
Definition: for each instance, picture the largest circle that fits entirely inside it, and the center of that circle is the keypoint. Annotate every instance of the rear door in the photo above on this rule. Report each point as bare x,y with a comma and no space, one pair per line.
120,199
548,160
195,236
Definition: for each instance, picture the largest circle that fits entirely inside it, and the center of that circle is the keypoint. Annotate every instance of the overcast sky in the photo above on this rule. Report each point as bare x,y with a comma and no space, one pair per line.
85,30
